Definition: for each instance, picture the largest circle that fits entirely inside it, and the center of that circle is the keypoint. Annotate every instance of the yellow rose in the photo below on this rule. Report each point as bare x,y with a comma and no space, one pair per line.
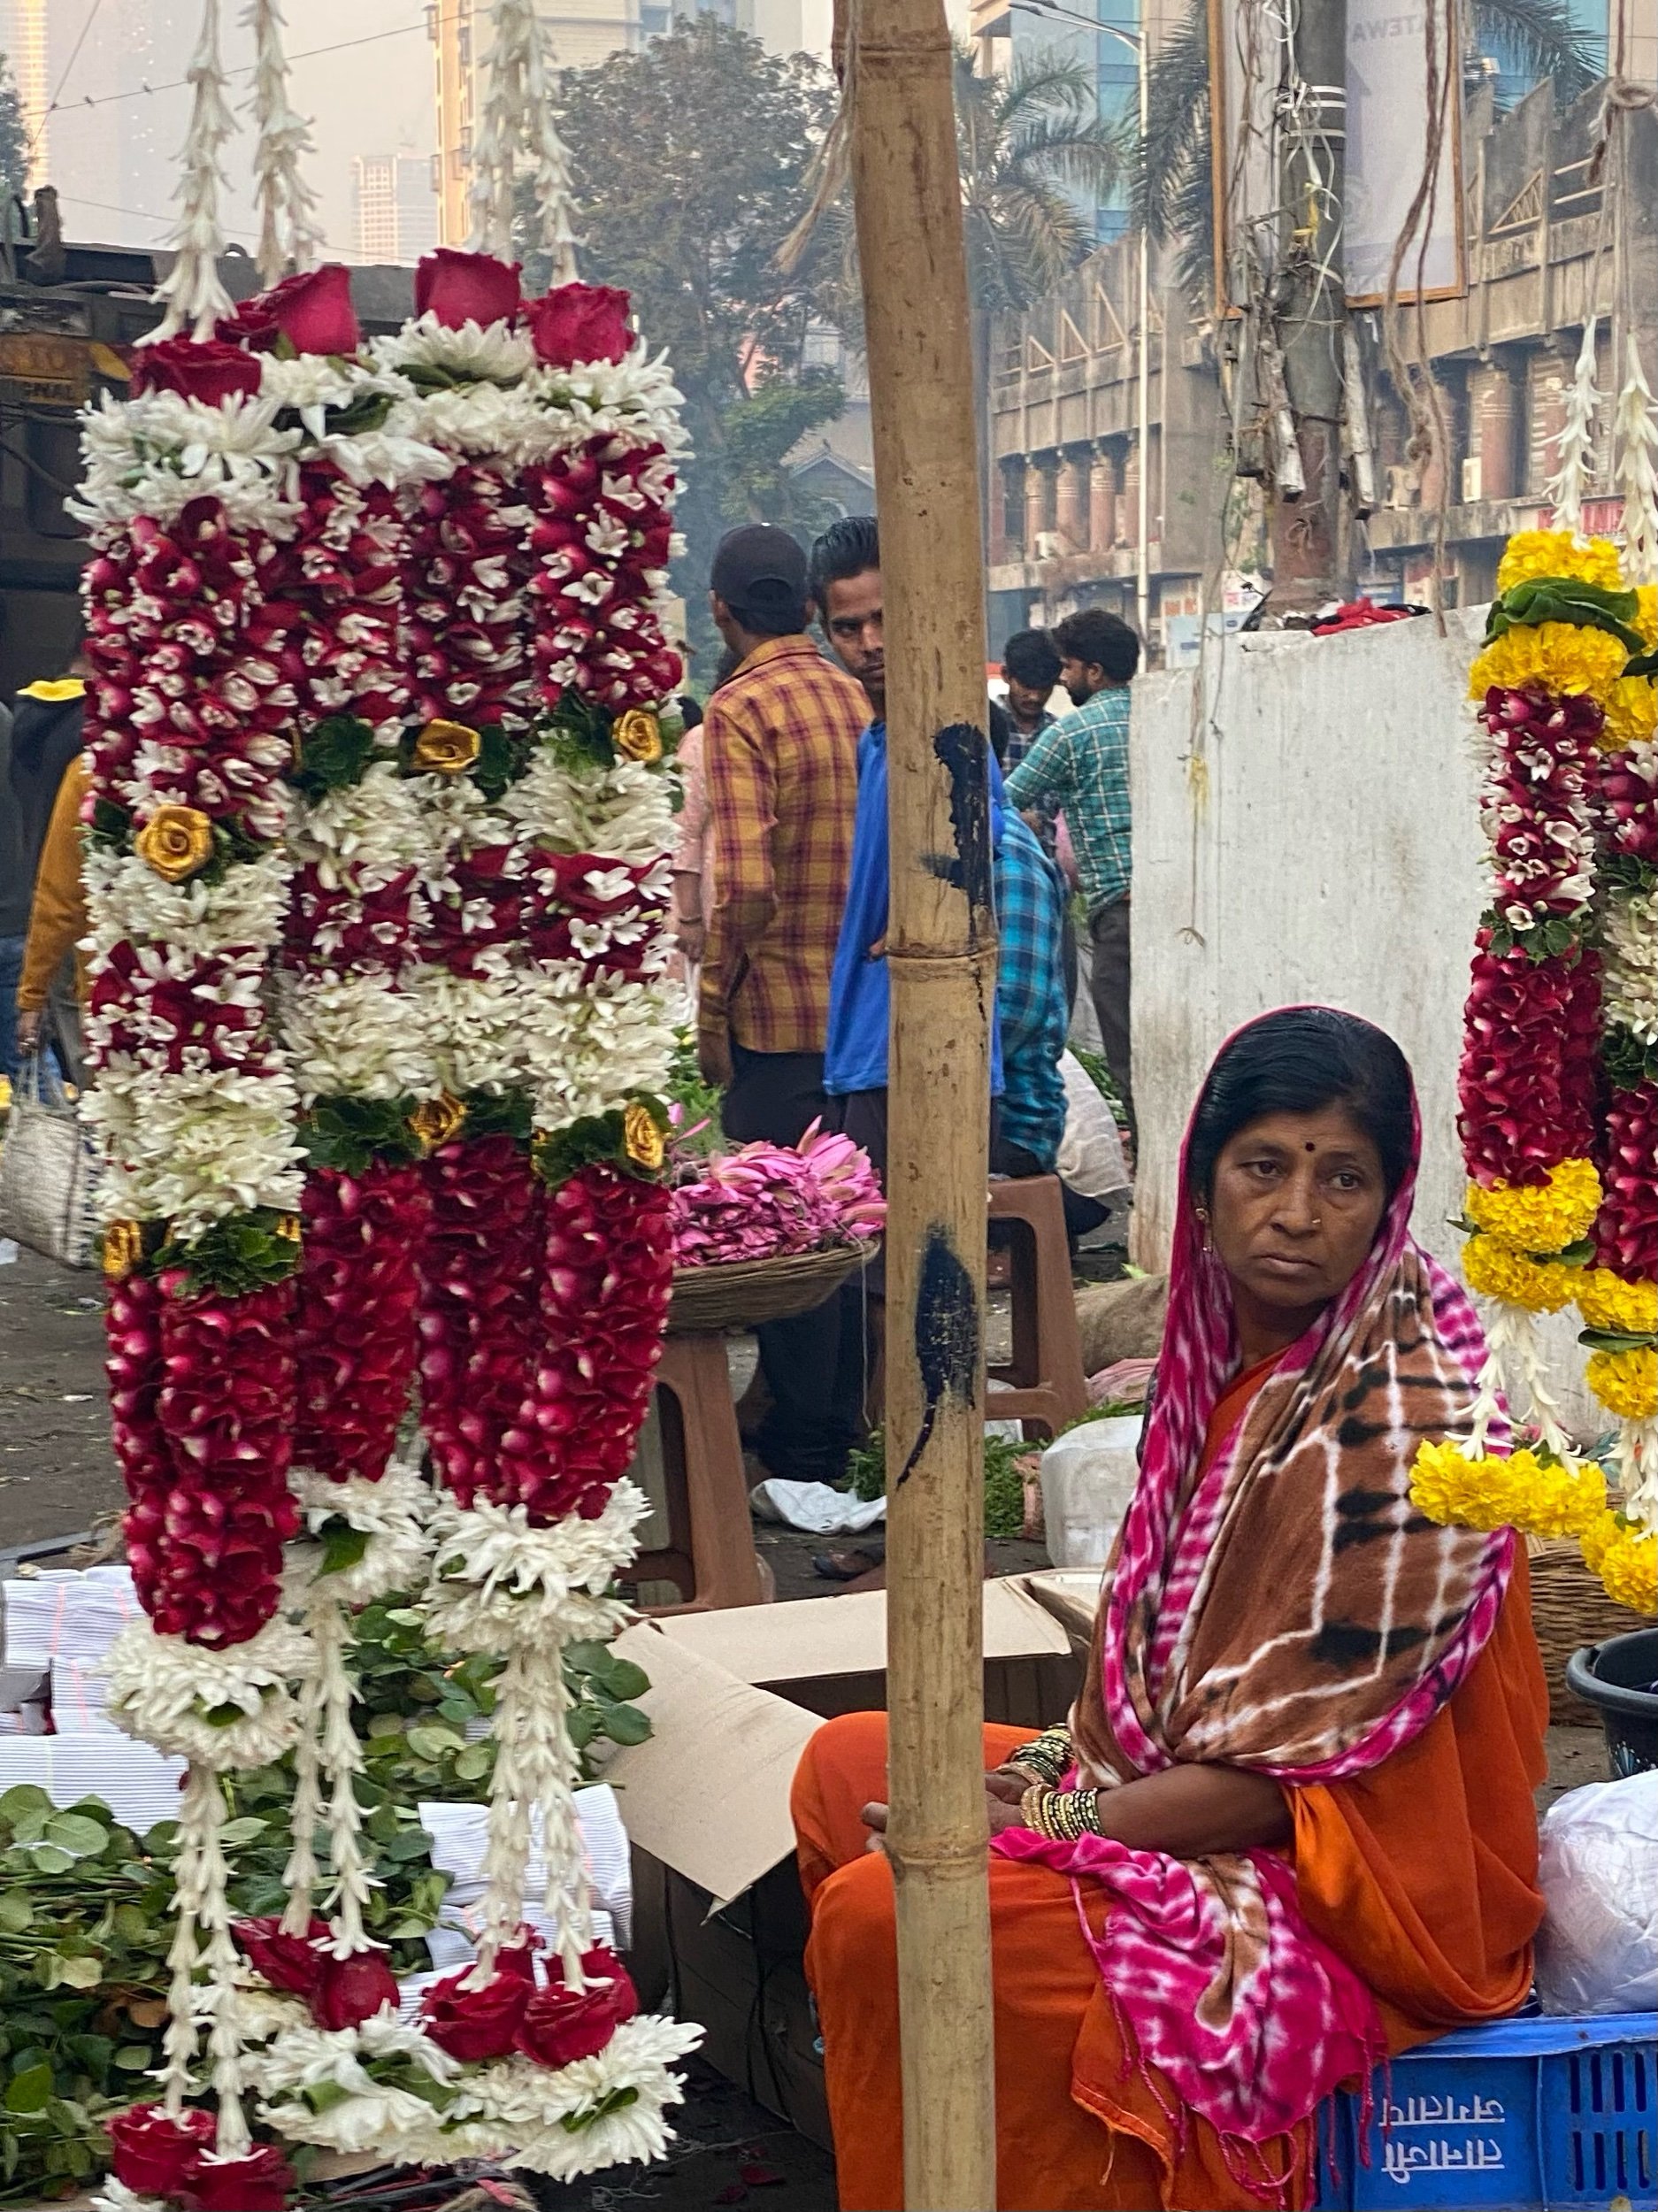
123,1249
642,1137
435,1120
637,735
175,842
446,749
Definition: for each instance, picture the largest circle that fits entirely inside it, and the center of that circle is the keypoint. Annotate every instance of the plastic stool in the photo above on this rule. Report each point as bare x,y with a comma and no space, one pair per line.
1049,1389
709,1555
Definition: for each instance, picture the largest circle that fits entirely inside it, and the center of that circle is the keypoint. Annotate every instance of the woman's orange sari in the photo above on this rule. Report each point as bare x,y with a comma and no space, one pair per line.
1421,1874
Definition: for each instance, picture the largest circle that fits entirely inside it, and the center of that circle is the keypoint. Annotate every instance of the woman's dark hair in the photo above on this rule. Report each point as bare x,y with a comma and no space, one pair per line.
1294,1061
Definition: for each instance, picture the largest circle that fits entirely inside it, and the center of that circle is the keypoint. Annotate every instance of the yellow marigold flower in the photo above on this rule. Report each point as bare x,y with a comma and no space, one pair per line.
1630,1572
1531,553
1567,658
1631,713
1626,1383
1647,620
1544,1218
1561,1500
1607,1301
1449,1487
1541,1286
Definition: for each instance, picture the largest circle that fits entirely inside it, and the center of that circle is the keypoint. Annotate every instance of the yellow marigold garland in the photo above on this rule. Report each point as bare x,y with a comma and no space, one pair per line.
1495,1271
1626,1560
1607,1301
1531,1490
1532,553
1631,713
1626,1383
1562,657
1544,1217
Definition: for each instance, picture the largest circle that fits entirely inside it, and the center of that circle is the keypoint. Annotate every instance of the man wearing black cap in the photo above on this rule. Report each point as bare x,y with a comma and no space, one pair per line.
780,748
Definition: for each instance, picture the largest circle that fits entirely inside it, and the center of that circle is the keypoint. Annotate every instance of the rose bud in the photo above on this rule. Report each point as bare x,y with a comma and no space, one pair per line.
561,2024
579,322
196,369
258,2181
351,1990
312,309
286,1962
153,2151
466,287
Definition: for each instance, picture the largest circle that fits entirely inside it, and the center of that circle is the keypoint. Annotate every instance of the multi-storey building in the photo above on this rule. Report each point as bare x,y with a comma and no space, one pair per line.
395,207
582,33
1066,496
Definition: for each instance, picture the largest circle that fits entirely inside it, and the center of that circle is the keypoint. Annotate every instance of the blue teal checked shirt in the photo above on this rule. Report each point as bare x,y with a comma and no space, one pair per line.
1081,765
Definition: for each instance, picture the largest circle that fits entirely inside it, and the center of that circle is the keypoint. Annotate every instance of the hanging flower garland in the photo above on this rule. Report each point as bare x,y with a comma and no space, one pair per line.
1555,1206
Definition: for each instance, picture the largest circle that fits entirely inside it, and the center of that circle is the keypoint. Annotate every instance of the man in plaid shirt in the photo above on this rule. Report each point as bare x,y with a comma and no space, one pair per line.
1081,763
781,744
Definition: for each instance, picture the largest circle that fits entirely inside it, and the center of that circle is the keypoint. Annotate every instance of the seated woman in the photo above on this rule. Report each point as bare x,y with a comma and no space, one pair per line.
1289,1829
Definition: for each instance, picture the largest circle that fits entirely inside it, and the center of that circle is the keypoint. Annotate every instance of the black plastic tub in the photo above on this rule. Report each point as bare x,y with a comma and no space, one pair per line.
1620,1679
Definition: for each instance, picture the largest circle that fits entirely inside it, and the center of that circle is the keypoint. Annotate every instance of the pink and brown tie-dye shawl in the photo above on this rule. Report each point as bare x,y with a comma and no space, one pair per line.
1286,1609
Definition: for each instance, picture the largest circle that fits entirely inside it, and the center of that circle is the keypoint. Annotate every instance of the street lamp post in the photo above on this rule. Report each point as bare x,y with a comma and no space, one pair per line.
1046,10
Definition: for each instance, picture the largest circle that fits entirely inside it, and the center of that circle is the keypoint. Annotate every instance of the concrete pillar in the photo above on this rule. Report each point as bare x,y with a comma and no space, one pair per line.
1036,488
1071,509
1102,500
1002,483
1494,426
1549,375
1128,505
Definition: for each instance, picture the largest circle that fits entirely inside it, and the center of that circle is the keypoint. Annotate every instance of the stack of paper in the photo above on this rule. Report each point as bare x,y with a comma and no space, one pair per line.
79,1691
65,1613
459,1834
139,1784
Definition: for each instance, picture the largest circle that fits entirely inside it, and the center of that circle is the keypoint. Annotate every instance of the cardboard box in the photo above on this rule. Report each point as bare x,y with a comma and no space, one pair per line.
719,1922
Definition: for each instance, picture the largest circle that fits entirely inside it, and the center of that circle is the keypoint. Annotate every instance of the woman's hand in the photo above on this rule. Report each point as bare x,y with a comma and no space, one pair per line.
1004,1808
691,936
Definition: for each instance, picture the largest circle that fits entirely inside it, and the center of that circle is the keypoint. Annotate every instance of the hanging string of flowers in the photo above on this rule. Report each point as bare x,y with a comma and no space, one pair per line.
1558,1210
188,496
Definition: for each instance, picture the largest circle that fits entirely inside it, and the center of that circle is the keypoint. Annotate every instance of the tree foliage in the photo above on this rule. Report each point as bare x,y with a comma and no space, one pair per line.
691,160
1021,140
14,145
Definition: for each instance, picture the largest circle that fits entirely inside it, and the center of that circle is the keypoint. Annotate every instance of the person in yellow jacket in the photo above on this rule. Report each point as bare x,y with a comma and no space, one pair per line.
58,922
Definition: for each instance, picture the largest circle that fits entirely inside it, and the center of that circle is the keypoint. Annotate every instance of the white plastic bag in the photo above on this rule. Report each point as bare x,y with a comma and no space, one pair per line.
1597,1950
1091,1151
46,1171
1088,1477
816,1506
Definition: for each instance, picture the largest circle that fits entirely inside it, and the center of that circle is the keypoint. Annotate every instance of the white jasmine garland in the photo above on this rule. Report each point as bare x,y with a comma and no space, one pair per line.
498,1584
625,813
163,1689
129,901
152,454
115,2196
475,1023
1629,980
492,353
355,1034
192,1149
594,1045
390,1512
635,400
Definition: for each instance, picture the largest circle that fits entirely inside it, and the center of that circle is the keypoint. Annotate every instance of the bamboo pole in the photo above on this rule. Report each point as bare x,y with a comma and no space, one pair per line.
941,956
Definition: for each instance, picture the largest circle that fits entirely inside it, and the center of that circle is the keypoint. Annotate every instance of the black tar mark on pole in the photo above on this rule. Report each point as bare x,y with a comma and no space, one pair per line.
946,1337
965,753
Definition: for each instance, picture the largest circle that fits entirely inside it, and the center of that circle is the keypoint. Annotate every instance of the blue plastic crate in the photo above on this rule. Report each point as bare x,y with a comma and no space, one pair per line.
1527,2116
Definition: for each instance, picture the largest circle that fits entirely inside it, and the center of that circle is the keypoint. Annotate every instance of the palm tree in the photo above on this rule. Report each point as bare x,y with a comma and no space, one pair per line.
1170,190
1021,140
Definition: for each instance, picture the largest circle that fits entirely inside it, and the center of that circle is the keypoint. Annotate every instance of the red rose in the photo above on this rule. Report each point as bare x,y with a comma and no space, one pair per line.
286,1962
602,1965
153,2151
466,287
353,1989
196,369
476,2023
258,2181
312,309
561,2025
579,322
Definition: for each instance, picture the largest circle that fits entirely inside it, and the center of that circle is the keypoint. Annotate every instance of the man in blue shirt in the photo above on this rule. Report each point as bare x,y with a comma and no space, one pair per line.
1081,764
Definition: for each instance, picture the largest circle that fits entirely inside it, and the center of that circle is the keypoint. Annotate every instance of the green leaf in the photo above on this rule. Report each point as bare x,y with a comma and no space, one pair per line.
624,1723
75,1834
16,1912
590,2115
474,1763
381,1724
1616,1341
133,2058
322,2096
332,756
25,1797
248,1829
349,1134
499,1114
1566,599
587,1658
79,1973
29,2092
237,1254
623,1680
413,1843
343,1546
51,1858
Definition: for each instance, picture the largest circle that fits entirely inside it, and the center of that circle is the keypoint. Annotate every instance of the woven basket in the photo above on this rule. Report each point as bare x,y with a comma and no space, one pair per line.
1569,1609
740,1293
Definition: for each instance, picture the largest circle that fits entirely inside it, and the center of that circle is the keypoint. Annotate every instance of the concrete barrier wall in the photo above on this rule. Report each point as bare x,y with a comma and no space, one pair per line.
1329,848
